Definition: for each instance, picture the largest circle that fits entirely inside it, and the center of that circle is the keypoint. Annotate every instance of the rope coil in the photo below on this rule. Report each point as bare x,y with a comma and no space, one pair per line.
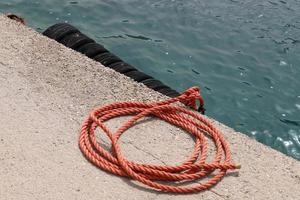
193,169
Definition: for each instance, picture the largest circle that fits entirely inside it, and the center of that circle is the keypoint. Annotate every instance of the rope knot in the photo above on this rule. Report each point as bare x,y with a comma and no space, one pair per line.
190,97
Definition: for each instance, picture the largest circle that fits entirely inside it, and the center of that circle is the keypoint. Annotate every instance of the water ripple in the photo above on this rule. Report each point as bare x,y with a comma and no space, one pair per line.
140,37
291,122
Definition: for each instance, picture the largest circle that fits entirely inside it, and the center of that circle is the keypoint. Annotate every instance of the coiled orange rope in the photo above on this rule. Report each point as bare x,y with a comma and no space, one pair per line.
194,168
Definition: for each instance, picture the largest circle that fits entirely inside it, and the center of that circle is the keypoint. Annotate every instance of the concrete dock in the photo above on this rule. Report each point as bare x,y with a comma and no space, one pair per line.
47,90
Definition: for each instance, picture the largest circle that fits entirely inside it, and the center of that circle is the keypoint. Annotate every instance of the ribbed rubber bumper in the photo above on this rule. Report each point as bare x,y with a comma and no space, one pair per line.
71,37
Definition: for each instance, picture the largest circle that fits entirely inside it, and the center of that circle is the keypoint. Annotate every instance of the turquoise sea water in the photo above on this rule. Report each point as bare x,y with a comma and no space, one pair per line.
244,54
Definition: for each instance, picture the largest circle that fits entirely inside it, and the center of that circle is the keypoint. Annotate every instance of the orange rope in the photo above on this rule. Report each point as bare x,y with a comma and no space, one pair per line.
194,168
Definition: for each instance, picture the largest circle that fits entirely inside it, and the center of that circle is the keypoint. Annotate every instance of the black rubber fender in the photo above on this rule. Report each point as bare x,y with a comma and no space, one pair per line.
92,49
58,31
122,67
153,84
168,92
75,40
71,37
138,76
107,58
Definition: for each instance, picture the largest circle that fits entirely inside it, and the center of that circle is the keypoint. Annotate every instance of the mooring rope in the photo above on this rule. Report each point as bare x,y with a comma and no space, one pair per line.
193,169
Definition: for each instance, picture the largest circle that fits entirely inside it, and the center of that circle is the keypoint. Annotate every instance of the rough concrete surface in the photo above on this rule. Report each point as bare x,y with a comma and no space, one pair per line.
46,91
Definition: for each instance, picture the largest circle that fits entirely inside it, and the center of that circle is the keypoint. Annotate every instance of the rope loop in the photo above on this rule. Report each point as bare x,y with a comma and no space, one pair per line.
195,168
